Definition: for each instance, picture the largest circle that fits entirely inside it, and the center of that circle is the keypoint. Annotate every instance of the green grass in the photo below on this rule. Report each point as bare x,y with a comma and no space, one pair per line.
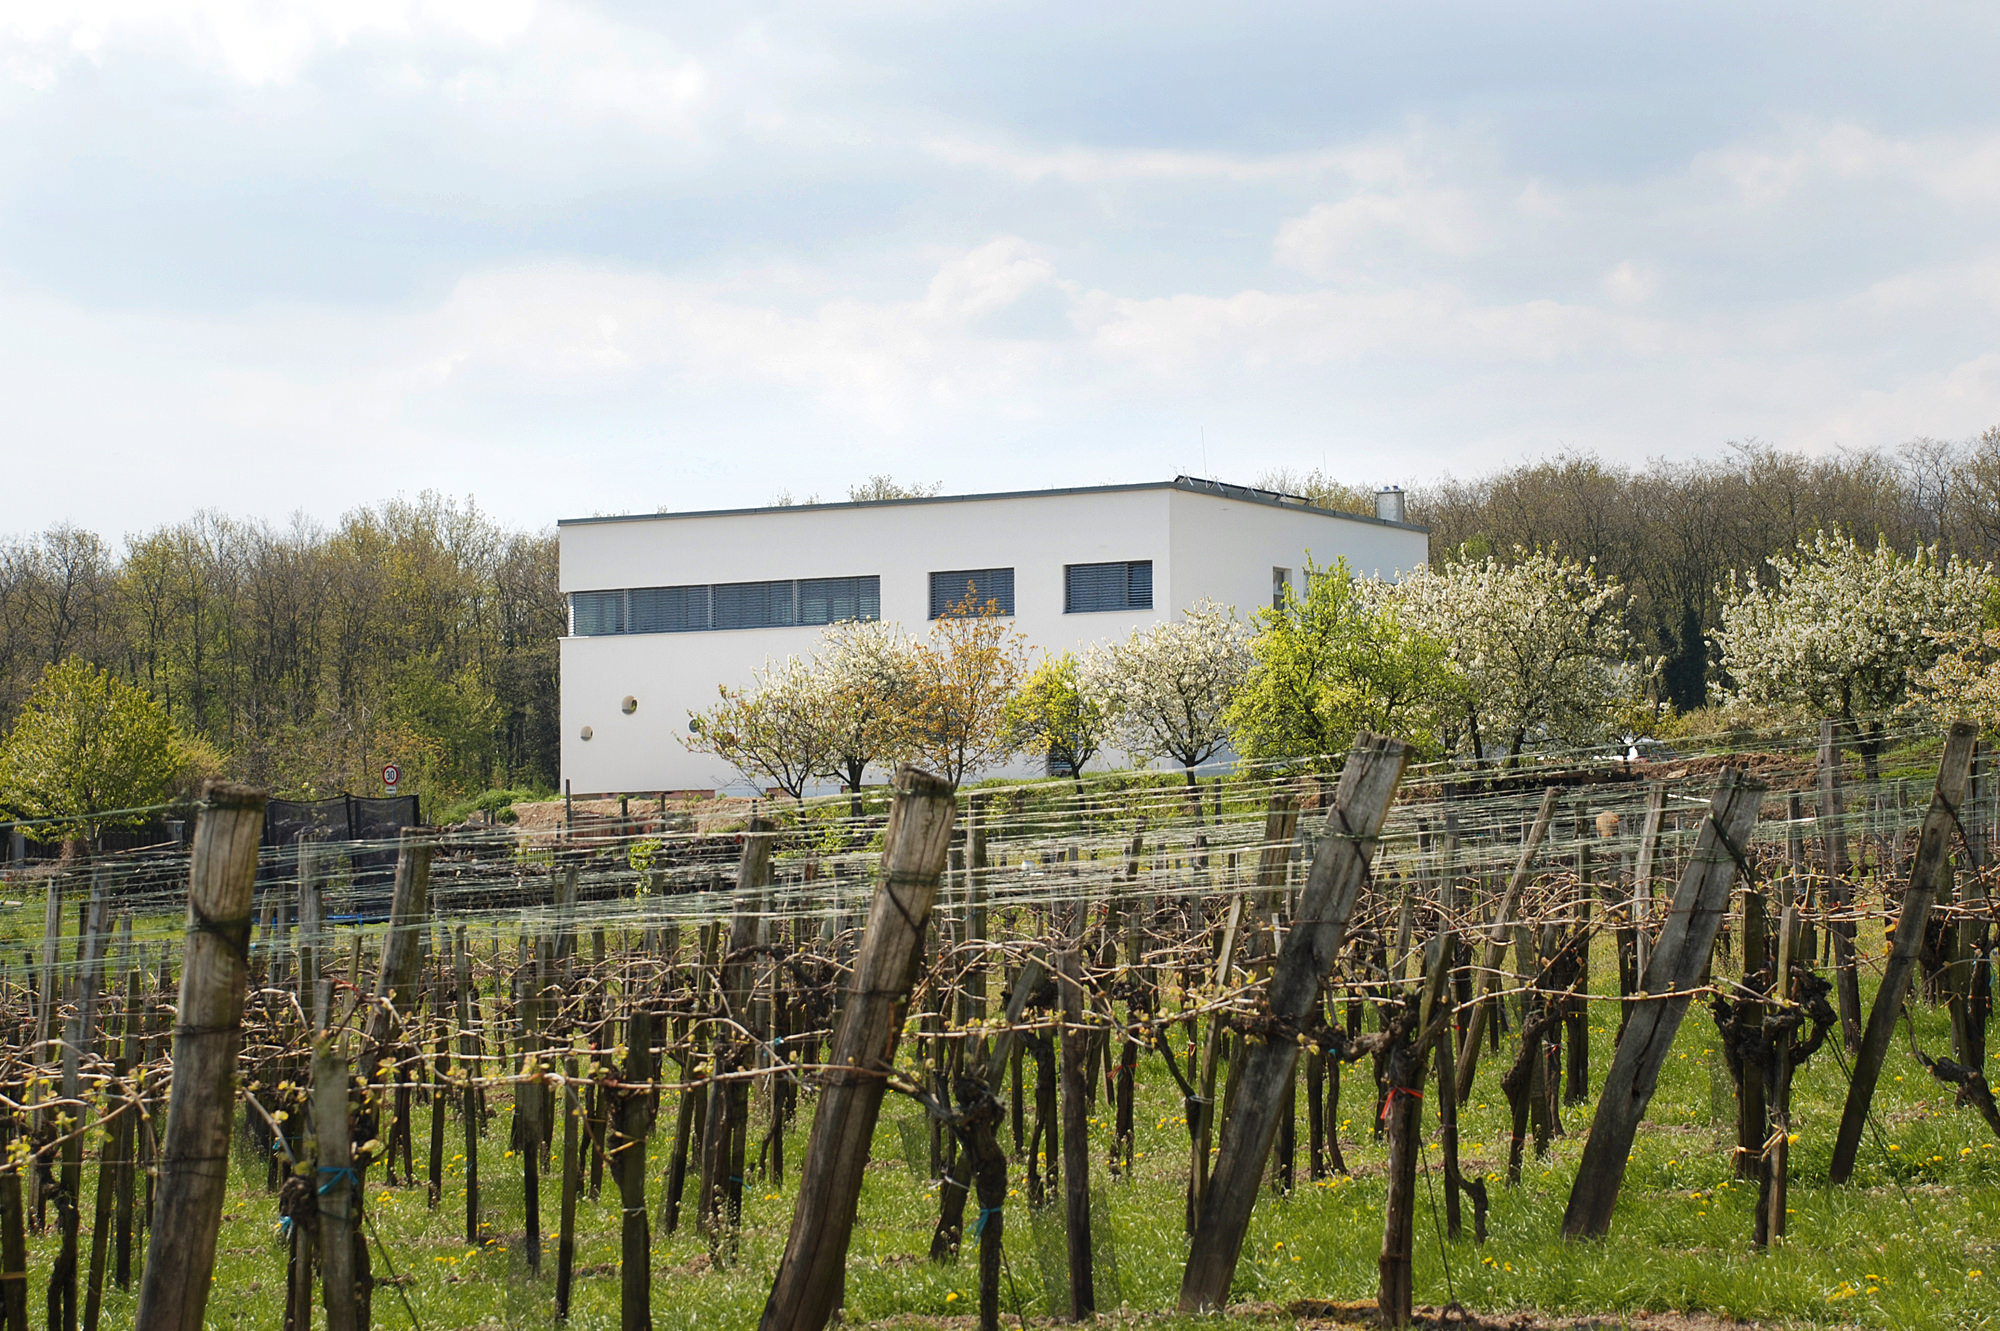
1895,1249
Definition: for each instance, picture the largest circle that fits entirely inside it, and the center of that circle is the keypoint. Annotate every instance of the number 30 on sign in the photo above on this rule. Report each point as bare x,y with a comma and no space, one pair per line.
391,774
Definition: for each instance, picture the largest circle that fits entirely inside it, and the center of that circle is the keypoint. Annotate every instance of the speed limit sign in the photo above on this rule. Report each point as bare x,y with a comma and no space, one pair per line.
391,774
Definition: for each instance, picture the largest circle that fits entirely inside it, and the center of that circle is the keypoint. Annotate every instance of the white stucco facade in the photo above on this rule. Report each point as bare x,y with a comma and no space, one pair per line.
1204,542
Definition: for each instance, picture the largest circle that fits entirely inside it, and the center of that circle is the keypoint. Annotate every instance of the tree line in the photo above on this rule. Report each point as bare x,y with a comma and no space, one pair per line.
302,657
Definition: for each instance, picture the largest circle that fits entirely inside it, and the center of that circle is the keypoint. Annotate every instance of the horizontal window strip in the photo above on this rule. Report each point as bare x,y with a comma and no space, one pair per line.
705,607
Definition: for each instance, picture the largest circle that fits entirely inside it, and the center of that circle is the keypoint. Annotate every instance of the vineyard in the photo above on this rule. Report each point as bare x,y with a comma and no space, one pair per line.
1378,1041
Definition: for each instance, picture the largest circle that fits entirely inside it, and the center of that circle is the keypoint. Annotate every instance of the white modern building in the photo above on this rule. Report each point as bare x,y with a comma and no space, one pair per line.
665,607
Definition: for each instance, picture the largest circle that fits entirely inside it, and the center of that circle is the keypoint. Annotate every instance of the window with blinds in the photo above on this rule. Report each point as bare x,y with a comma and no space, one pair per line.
951,587
724,605
1126,585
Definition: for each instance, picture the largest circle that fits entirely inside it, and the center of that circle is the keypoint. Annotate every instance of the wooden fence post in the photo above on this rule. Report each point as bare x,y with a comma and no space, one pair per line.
1407,1059
1933,847
339,1187
632,1124
1496,943
1075,1120
864,1049
1833,839
1201,1109
194,1157
1692,923
1774,1162
721,1192
1642,876
1340,867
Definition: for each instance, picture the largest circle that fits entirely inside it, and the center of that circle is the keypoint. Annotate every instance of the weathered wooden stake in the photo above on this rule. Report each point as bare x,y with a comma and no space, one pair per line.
194,1156
1692,923
1408,1058
339,1186
566,1239
1340,866
1839,891
1076,1123
1933,848
633,1124
468,1049
1496,943
864,1048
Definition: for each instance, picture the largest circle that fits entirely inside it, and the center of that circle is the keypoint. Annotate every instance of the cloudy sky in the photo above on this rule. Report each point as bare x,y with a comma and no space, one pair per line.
579,258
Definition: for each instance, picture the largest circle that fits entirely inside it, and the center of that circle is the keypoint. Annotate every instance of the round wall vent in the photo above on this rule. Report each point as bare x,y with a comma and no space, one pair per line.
630,705
587,732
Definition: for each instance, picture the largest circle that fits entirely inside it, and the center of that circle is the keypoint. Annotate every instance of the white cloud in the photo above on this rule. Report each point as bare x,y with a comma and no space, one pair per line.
1630,284
255,42
1953,167
1326,241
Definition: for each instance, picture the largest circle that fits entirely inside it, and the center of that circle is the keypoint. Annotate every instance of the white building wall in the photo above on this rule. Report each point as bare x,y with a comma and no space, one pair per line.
1202,546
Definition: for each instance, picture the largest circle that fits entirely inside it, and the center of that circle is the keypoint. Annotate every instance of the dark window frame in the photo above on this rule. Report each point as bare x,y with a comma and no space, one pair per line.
723,607
1108,587
986,584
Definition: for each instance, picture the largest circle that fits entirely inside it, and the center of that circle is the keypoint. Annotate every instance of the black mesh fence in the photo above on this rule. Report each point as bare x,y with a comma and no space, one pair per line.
361,869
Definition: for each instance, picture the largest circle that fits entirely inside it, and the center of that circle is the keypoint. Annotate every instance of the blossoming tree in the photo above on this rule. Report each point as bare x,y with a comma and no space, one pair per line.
1838,630
1170,685
1536,644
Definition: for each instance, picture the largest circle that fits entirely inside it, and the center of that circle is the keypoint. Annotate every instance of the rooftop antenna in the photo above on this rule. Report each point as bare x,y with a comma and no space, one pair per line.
1204,452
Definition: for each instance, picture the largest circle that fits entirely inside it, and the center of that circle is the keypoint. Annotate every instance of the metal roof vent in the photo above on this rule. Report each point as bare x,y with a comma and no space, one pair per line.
1389,504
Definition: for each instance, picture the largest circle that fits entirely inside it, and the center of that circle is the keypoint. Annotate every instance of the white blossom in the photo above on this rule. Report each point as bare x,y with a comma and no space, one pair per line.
1536,643
1169,685
1836,630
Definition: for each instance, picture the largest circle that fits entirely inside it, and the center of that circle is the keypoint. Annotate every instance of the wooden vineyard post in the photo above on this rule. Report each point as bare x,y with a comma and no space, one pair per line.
1496,944
440,1074
1576,1013
1775,1162
720,1200
1340,866
1750,1111
1933,848
1201,1110
339,1187
632,1124
566,1237
311,932
1833,841
76,1039
13,1243
194,1155
1642,878
1405,1065
468,1058
531,1107
1076,1120
1692,923
864,1049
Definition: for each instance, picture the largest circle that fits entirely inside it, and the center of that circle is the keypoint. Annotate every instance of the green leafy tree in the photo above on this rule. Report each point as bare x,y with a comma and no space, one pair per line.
90,750
1060,714
1333,662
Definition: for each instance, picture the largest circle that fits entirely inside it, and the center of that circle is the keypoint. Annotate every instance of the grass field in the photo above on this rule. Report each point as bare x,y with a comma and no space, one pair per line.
1914,1242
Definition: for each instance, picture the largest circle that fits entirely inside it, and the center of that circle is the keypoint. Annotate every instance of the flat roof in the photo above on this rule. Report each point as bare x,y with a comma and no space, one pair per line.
1188,484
